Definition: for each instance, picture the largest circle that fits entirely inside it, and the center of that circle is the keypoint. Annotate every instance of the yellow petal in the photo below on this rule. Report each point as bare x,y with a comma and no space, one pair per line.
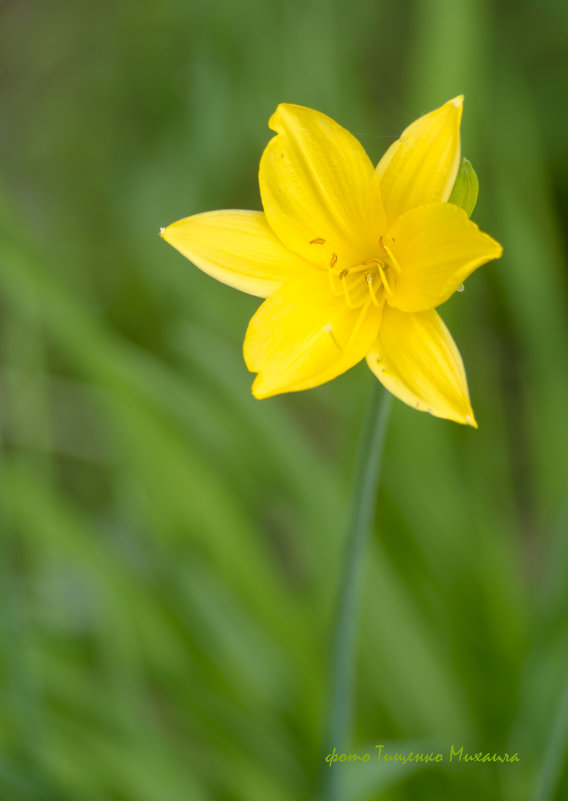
437,248
317,183
237,248
303,336
417,360
422,165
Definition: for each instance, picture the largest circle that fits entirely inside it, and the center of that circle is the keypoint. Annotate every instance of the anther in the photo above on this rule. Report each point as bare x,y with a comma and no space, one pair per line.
317,241
333,260
343,274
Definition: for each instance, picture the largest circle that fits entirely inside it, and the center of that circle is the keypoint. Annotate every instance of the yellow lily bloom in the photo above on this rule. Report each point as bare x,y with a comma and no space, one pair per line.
352,260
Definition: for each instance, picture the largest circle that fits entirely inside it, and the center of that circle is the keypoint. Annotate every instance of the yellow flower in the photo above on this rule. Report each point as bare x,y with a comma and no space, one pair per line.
352,260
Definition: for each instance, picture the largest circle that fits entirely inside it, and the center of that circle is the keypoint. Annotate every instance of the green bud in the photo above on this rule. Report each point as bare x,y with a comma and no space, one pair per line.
466,188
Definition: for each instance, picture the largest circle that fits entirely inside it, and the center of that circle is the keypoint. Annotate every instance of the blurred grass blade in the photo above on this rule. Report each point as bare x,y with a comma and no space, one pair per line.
555,756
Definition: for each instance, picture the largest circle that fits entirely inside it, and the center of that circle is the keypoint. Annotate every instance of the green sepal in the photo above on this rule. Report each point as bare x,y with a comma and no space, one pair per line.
466,188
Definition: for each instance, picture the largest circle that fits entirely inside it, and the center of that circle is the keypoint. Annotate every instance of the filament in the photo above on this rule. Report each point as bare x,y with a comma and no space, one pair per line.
348,297
389,292
390,254
369,279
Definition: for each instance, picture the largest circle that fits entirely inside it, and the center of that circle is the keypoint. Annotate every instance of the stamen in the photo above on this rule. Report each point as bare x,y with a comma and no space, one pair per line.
369,279
392,257
359,268
389,292
333,260
343,273
318,241
347,297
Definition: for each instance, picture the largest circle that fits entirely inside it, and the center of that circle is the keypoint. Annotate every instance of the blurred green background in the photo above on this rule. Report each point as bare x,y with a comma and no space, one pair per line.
170,547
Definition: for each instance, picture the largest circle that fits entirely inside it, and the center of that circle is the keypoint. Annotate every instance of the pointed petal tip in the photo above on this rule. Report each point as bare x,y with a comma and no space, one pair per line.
275,117
166,231
286,112
456,416
456,101
259,391
284,107
455,109
495,249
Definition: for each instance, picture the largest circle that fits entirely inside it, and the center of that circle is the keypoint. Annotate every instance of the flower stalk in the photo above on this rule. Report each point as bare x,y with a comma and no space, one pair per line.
342,684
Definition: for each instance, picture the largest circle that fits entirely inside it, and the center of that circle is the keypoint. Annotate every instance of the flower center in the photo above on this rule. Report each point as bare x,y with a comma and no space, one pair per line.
372,281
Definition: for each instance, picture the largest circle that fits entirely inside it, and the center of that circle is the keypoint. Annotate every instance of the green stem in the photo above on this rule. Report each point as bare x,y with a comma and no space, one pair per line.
338,733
